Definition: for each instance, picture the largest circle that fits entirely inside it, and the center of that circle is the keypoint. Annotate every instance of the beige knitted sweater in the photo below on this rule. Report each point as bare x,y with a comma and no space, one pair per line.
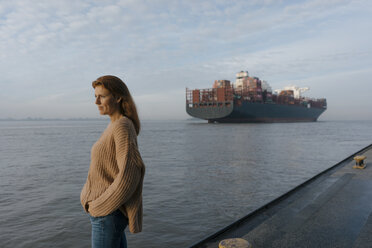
115,175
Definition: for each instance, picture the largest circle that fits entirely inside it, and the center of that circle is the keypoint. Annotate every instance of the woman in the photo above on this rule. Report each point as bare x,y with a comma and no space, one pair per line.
112,194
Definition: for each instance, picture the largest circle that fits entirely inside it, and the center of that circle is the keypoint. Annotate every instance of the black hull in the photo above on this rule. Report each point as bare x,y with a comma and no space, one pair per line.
253,112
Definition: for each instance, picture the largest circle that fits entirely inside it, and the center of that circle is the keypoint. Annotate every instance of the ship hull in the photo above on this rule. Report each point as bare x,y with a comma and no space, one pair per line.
246,112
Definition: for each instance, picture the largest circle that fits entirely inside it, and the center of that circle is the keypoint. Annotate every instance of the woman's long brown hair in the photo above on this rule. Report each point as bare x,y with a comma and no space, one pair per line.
118,88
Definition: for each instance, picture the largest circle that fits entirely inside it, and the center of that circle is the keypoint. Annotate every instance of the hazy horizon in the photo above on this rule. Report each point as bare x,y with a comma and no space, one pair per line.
106,118
51,51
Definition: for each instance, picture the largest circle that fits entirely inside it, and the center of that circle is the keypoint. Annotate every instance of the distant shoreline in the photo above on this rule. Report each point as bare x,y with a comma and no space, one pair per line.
106,119
53,119
83,119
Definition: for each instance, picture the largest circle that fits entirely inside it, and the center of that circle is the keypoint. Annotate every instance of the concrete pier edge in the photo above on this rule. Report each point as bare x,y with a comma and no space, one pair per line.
278,199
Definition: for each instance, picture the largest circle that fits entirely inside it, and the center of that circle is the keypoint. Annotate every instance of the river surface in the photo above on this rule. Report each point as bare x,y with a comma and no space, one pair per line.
199,177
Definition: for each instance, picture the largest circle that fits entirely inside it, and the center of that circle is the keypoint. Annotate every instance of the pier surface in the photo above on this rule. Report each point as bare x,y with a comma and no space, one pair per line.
333,209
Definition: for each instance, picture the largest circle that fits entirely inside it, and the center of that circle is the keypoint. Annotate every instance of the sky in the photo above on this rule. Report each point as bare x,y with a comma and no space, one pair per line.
51,51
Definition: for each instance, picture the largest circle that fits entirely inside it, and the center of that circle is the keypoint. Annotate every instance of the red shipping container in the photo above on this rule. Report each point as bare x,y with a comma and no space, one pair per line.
196,96
220,94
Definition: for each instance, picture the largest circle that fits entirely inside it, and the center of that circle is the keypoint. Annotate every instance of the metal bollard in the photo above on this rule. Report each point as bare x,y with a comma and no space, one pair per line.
359,162
234,243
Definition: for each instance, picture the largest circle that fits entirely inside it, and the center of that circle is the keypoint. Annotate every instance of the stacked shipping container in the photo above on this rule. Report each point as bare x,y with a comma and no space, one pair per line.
246,89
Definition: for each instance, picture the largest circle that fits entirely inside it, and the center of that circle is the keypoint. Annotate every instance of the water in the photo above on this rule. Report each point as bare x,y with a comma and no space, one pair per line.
199,177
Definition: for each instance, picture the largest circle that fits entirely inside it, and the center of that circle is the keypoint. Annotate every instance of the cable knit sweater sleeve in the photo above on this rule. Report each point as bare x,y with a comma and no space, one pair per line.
126,181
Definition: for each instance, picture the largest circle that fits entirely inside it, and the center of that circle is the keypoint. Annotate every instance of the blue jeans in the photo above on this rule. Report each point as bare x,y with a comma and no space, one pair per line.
108,231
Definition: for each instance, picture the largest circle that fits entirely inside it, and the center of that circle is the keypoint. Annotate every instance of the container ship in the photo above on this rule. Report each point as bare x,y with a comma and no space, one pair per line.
250,99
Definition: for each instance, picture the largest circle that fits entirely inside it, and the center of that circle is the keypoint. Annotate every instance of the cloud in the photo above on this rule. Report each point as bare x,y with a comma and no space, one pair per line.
303,58
162,46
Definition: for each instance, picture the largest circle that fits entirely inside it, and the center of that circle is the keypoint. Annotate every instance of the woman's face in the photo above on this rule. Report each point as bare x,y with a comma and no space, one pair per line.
106,102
